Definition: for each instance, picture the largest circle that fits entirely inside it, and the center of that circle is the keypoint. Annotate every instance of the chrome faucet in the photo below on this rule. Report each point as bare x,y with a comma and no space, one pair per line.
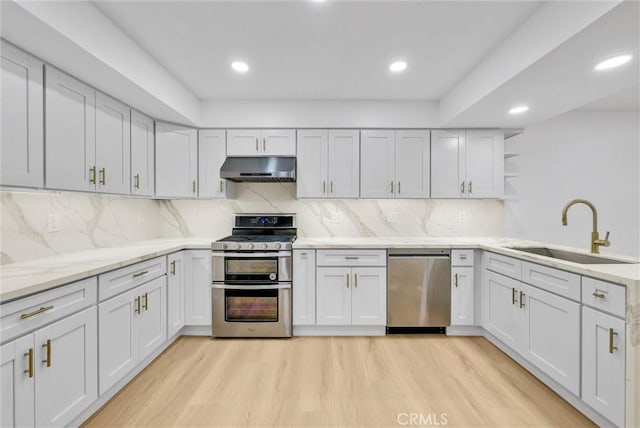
596,242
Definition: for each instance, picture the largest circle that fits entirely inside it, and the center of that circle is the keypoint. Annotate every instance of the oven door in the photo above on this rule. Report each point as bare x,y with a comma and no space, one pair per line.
251,310
251,267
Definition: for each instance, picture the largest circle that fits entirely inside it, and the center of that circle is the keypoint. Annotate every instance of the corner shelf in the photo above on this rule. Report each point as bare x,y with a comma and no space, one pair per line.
508,155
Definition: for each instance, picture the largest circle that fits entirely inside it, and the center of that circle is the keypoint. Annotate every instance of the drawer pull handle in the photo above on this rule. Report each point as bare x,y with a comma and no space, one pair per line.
145,301
611,347
598,295
351,258
463,257
39,311
137,307
47,345
29,370
144,272
513,296
456,280
522,300
173,267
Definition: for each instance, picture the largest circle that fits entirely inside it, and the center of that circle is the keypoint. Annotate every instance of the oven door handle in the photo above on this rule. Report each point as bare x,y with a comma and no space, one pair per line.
249,255
276,286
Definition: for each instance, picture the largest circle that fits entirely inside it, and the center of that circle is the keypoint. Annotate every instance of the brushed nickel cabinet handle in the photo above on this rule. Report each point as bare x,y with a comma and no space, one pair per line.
398,187
324,186
331,186
47,345
347,280
92,171
193,186
173,267
392,187
145,301
144,272
36,312
471,187
611,347
355,280
351,257
522,300
257,147
136,309
137,181
29,370
513,296
462,188
598,295
264,144
103,176
455,280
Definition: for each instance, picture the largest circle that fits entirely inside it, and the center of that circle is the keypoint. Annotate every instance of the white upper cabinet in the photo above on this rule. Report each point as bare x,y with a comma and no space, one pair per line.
344,164
312,168
142,155
212,151
176,161
394,164
113,145
70,132
22,146
261,142
467,164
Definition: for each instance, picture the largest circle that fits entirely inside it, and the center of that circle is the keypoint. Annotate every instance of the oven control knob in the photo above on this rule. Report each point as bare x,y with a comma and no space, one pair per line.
278,246
224,246
250,246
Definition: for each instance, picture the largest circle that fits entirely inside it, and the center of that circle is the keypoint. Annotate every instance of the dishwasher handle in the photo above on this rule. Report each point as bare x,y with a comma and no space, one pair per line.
419,256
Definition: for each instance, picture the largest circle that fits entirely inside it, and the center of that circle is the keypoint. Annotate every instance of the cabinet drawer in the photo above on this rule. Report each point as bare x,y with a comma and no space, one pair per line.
502,264
118,281
557,281
605,296
27,314
461,257
352,258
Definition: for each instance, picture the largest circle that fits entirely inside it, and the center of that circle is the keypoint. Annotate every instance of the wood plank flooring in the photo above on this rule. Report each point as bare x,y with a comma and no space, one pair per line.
336,382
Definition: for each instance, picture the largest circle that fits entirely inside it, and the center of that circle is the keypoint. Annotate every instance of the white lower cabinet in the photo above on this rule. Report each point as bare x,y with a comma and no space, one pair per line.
132,326
50,376
500,308
462,296
197,287
175,293
603,364
351,296
304,287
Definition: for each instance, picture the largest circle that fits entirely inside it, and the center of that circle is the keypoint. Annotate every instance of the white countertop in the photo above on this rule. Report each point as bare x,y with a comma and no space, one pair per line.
25,278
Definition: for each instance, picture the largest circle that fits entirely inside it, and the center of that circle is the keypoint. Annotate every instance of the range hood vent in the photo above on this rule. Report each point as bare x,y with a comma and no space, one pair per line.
259,169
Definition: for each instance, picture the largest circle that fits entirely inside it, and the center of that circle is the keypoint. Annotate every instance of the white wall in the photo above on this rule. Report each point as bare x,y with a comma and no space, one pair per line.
581,154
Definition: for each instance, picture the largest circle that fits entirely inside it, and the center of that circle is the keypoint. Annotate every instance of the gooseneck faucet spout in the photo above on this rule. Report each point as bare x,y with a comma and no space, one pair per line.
596,242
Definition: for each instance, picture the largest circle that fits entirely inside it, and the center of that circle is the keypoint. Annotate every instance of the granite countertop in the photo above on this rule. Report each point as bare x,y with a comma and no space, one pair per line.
25,278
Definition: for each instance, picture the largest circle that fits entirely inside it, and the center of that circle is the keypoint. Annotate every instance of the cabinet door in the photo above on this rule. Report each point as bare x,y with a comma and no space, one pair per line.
313,150
17,385
501,316
197,287
484,164
333,296
244,142
118,337
462,296
175,293
176,161
369,296
304,287
377,164
551,335
212,151
278,142
344,164
603,364
412,164
68,384
142,155
21,106
113,145
152,321
447,164
70,132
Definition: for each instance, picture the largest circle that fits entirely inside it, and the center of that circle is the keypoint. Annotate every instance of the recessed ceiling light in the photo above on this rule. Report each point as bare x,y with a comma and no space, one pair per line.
616,61
398,66
240,66
518,109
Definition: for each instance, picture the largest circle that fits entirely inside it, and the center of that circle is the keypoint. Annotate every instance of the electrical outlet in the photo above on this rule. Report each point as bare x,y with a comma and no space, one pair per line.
336,217
53,223
393,217
461,216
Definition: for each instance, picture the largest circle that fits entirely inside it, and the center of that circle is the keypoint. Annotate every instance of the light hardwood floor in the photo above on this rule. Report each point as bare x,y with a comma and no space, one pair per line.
335,382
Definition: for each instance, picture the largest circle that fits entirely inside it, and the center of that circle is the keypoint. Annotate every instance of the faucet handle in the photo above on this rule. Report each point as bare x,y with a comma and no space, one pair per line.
606,242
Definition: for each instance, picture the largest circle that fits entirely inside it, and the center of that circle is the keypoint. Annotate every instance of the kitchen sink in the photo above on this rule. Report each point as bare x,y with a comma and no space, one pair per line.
584,259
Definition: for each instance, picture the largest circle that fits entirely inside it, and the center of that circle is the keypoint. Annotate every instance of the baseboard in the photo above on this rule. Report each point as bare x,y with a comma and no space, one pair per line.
465,330
195,330
339,330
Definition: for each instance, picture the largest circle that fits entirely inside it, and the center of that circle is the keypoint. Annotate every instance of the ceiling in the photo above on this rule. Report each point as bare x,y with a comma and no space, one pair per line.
308,50
625,100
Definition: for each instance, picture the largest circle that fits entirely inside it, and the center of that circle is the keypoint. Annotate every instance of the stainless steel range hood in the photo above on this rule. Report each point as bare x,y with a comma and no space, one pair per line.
259,169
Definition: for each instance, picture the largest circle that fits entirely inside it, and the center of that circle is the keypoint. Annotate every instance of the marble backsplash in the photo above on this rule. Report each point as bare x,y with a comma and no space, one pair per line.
94,221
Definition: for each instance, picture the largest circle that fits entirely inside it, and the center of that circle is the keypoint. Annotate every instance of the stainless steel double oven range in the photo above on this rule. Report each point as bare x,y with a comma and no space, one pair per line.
251,277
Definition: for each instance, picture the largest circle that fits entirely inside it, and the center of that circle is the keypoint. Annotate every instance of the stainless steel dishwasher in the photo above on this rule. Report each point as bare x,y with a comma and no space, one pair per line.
419,288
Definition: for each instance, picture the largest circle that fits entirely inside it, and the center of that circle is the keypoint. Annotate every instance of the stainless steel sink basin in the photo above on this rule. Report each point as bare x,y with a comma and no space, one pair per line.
569,256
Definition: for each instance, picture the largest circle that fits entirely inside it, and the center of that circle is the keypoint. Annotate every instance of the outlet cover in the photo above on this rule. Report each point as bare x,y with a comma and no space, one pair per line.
393,217
461,217
53,223
336,217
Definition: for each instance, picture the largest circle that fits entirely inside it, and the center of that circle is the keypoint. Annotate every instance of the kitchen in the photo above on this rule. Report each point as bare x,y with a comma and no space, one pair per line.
69,219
